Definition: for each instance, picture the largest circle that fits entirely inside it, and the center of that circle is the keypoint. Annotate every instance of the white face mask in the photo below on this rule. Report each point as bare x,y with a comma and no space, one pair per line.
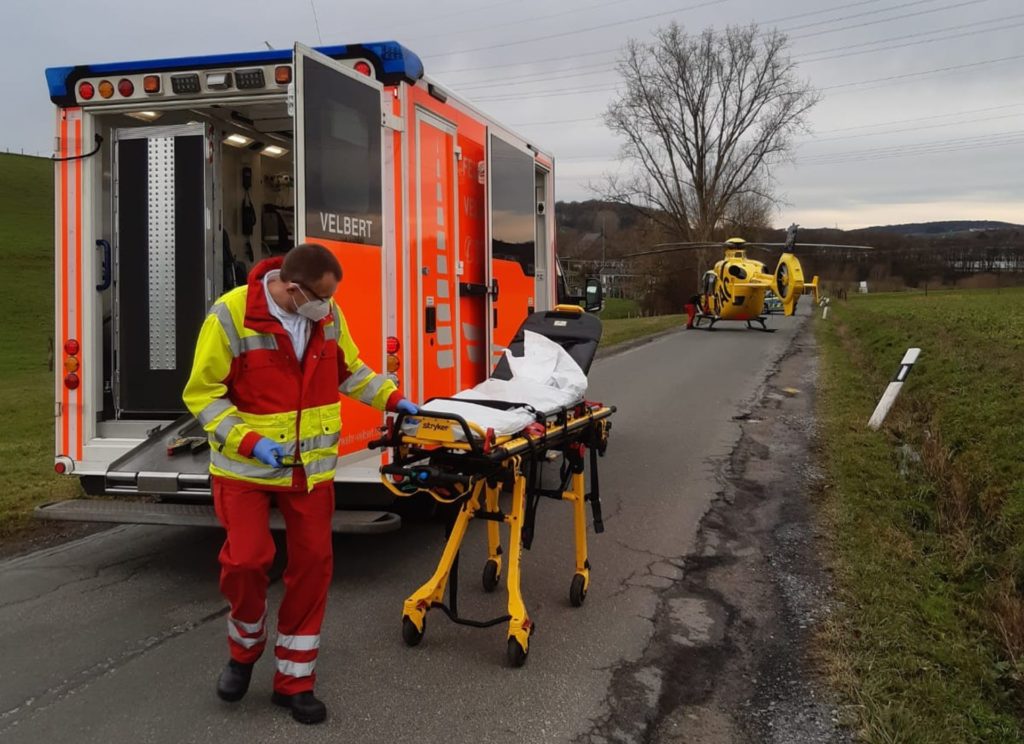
314,310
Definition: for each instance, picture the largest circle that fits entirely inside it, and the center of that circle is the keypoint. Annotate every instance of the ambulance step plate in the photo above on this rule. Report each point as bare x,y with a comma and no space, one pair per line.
196,515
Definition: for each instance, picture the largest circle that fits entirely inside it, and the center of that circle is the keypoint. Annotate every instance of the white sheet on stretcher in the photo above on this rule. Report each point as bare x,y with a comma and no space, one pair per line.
545,378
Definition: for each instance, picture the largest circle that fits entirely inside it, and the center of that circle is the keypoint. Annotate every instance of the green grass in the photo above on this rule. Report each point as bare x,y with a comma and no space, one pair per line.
616,308
617,331
26,305
927,514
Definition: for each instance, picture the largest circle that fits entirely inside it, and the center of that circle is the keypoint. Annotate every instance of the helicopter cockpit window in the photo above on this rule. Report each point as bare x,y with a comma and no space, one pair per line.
738,271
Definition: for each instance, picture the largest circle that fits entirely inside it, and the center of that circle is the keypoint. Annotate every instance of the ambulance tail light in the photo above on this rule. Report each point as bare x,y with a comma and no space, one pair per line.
151,84
363,68
393,346
393,364
86,91
283,74
63,465
71,364
126,87
106,89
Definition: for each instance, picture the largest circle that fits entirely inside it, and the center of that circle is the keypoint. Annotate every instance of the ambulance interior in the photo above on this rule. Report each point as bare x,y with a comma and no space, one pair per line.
245,212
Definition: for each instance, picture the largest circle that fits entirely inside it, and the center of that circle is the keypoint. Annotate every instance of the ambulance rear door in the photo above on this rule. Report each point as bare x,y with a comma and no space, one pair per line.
339,203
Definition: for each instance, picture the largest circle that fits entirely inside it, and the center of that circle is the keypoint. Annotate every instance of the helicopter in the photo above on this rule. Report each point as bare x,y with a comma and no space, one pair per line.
735,289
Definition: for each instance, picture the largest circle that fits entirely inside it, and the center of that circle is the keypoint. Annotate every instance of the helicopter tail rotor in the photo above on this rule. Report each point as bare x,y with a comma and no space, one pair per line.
788,282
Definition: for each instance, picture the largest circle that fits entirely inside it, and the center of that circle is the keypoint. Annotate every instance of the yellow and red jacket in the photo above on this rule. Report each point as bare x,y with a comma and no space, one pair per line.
247,383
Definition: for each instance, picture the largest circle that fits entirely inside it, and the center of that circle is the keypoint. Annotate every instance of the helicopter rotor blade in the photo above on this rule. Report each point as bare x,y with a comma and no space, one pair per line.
798,246
661,248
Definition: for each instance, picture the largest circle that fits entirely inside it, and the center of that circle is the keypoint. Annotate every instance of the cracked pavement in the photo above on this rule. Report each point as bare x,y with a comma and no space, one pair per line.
120,636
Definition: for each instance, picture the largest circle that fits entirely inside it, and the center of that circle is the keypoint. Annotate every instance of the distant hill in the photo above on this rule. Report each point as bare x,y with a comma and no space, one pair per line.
940,228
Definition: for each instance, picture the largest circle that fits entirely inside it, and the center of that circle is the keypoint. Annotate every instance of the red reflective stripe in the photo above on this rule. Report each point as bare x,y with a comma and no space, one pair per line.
79,282
65,424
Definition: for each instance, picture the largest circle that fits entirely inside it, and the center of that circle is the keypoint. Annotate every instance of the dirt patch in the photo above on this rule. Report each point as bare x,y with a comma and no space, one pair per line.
40,534
731,657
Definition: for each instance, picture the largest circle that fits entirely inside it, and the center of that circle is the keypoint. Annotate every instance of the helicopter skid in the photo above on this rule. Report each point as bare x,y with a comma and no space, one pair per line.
761,321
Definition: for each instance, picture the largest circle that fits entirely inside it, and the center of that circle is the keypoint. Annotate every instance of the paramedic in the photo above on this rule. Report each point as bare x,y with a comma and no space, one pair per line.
269,363
692,308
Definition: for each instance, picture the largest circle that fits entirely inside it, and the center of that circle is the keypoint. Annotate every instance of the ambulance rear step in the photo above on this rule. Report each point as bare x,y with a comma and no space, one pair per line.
196,515
148,470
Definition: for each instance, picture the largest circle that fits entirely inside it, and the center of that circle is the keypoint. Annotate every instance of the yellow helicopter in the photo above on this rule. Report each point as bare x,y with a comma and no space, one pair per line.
735,289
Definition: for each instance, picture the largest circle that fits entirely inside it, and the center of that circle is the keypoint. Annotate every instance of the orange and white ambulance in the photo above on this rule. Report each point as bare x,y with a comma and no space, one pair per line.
174,176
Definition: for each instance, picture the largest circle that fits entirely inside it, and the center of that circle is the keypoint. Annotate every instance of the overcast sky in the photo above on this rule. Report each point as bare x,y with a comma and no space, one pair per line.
889,144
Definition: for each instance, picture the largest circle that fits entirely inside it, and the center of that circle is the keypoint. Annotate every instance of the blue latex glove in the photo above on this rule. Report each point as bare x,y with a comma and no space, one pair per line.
268,452
407,406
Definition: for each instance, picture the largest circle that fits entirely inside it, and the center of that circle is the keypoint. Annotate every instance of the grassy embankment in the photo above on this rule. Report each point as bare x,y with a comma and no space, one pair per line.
928,515
26,305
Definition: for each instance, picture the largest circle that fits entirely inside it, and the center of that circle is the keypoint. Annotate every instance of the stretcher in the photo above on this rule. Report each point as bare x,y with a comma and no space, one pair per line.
475,469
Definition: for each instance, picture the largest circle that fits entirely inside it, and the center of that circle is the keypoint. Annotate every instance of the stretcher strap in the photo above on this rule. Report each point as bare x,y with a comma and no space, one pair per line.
594,497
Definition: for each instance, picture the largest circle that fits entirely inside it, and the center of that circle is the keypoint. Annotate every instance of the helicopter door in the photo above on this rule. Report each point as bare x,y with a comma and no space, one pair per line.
789,282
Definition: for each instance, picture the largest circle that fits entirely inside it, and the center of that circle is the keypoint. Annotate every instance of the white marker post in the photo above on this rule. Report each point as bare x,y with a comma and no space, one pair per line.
824,313
889,397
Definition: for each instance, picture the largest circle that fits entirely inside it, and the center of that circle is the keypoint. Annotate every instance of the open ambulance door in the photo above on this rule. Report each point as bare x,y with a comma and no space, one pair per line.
511,236
339,203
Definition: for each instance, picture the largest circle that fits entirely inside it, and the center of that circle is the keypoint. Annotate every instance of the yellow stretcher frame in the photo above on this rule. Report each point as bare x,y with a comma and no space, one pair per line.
472,474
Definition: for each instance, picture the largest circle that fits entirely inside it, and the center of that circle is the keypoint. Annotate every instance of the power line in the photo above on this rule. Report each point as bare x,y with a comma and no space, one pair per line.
612,50
909,129
935,71
903,153
531,19
889,20
944,145
888,9
923,118
536,76
574,32
435,17
889,78
603,68
902,37
316,22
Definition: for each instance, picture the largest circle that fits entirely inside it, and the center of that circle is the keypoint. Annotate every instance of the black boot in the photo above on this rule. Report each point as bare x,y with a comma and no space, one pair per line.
305,707
234,681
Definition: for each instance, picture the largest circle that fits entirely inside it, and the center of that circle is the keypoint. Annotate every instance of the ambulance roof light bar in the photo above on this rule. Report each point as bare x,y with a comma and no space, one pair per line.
391,61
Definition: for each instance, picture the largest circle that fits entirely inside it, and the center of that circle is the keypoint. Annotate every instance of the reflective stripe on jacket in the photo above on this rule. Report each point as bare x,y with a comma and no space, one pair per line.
247,383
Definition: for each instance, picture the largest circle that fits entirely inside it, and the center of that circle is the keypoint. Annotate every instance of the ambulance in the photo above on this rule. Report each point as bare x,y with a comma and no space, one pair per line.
173,177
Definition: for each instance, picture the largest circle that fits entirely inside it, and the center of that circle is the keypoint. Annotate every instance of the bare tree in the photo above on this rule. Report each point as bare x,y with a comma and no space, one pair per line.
705,117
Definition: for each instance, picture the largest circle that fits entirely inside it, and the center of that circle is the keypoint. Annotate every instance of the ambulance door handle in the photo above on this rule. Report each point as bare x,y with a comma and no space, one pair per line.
105,281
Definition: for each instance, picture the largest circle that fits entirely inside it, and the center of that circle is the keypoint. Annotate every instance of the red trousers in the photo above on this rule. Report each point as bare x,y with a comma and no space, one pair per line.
691,313
248,552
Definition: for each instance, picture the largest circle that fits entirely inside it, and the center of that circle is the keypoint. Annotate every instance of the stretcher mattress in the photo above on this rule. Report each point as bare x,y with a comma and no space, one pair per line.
544,380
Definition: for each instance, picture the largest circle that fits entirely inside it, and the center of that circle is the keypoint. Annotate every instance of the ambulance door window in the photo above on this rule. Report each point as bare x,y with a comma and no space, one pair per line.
342,140
513,238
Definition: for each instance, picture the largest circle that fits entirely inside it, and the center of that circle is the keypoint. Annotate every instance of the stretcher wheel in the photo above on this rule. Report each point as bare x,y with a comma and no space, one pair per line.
490,577
410,633
516,653
578,590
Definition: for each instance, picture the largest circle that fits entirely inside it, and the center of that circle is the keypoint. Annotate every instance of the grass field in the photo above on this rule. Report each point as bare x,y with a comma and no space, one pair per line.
26,393
616,308
928,515
620,330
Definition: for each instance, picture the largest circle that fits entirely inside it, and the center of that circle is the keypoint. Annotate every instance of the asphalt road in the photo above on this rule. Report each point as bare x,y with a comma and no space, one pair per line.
120,636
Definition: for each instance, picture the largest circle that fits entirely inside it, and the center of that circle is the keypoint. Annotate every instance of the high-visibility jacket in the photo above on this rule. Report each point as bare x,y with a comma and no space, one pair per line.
247,383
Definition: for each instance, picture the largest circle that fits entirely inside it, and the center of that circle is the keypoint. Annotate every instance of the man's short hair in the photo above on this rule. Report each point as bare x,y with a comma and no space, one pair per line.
307,263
